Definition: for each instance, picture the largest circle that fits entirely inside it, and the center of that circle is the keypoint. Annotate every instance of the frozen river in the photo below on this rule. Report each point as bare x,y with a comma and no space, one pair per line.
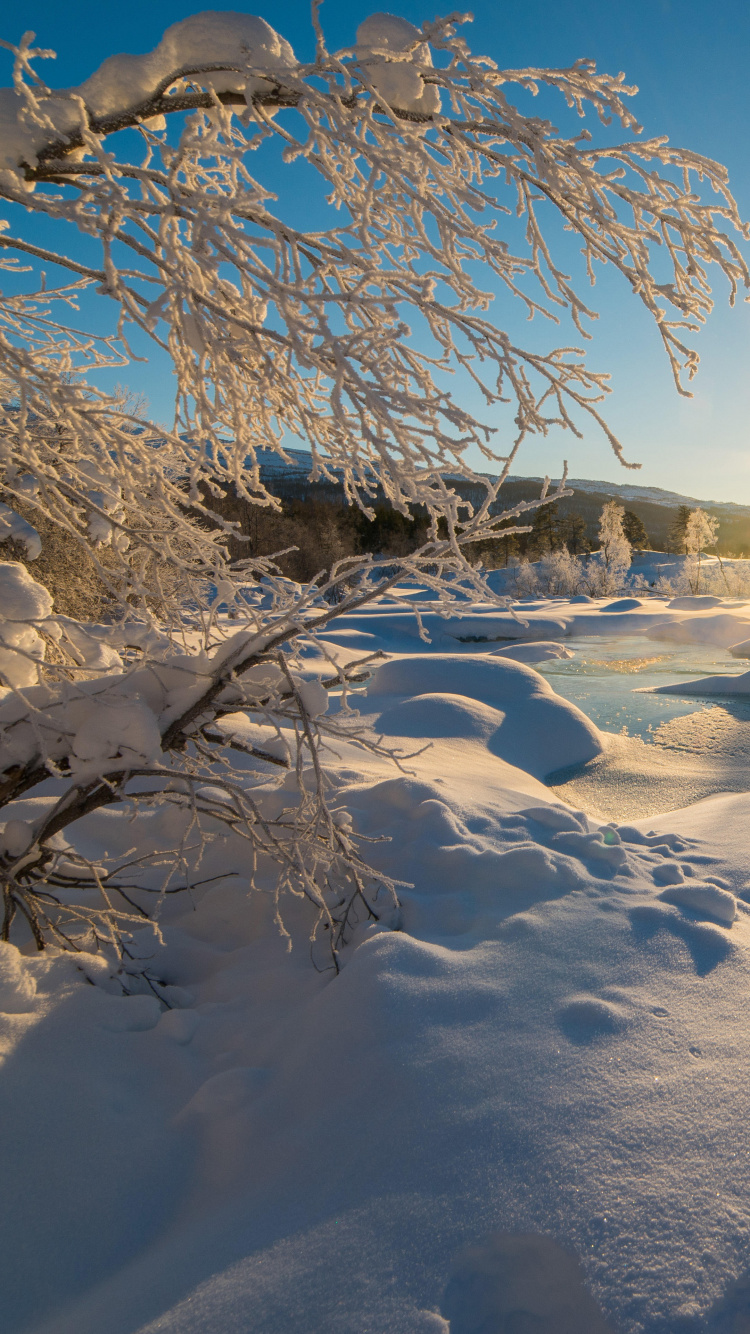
662,751
606,674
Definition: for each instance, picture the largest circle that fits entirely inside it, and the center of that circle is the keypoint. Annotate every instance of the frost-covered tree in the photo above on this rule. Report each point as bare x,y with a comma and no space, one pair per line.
148,185
700,532
608,567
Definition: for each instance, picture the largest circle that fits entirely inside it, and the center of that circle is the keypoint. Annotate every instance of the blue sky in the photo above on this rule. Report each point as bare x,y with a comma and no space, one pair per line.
689,61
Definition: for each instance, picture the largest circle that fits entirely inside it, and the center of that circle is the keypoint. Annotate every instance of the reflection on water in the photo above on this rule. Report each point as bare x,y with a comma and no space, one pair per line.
625,664
599,679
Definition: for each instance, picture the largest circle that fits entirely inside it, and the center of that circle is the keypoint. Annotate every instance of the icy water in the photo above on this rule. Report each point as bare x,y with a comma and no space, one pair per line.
605,673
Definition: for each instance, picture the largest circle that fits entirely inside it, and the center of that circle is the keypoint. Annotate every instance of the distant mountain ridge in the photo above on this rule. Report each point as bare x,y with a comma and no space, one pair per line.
301,462
654,494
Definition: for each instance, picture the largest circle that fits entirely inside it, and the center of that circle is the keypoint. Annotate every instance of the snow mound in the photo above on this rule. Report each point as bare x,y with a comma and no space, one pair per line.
583,1018
536,652
697,602
741,650
708,685
625,604
704,900
440,715
721,629
522,720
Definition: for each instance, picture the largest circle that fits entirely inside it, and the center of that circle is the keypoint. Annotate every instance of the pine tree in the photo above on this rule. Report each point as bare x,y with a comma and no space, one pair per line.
544,535
572,534
677,530
634,530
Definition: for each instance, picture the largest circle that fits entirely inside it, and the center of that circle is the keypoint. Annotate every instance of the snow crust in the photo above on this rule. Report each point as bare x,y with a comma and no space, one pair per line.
552,1043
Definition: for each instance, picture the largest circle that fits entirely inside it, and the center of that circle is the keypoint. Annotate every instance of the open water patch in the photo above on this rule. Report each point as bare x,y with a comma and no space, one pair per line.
606,674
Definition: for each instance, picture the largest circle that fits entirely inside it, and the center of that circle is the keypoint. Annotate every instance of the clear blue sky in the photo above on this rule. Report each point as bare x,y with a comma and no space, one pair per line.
689,61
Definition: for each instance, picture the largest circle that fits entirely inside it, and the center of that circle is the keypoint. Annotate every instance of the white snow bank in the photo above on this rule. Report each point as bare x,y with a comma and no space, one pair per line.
707,685
706,900
521,719
696,602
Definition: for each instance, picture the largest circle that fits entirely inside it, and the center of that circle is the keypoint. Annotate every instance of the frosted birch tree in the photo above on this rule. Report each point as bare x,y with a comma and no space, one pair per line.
607,568
700,532
441,192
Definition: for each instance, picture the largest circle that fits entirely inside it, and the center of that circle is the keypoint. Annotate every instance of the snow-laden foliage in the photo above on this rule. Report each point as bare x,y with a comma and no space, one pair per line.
344,334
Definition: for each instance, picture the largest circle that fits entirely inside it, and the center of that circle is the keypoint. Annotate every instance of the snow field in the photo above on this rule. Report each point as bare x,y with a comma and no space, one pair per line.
553,1042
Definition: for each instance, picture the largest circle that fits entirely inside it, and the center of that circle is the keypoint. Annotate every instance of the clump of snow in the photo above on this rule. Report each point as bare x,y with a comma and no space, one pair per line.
520,717
17,985
242,42
720,628
708,685
696,602
13,527
21,597
741,650
380,40
537,652
16,837
126,730
24,605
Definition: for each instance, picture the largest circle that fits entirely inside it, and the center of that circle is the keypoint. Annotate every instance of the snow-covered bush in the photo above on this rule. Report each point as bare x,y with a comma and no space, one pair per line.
525,580
560,574
275,331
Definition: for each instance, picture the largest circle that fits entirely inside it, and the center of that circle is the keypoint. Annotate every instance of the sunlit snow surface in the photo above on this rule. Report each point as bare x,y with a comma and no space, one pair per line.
554,1044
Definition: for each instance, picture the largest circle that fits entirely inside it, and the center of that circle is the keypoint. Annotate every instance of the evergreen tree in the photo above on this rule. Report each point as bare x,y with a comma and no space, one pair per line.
572,534
676,537
544,535
634,530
